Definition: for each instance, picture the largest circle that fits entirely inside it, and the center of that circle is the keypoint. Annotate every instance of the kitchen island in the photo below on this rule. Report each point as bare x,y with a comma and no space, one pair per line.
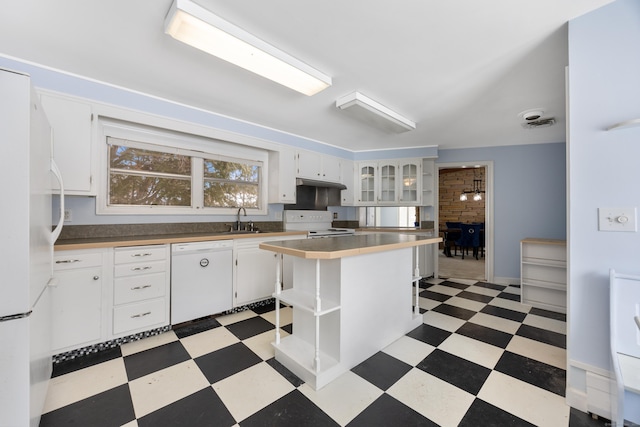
352,296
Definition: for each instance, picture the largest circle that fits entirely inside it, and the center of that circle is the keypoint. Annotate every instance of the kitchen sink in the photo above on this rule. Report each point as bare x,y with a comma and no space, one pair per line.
243,232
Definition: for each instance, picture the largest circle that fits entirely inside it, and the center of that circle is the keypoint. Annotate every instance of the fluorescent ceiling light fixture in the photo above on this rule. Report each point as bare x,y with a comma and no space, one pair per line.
198,27
368,110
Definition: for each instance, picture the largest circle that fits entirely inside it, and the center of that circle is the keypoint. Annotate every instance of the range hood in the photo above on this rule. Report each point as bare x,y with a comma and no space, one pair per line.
321,184
316,195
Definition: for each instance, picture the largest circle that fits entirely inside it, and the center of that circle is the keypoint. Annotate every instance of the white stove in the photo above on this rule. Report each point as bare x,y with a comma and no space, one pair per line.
316,223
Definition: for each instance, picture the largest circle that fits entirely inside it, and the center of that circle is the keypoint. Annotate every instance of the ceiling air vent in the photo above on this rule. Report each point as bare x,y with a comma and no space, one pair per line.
539,123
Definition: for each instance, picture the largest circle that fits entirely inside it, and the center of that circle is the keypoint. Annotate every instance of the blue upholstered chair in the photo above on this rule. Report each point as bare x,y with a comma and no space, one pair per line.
469,238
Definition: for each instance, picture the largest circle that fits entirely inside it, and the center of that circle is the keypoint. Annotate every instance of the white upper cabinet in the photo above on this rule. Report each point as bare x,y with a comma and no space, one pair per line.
389,182
318,166
428,181
282,176
71,121
347,174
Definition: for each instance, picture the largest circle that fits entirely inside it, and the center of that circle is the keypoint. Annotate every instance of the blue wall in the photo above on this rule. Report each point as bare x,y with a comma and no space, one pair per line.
604,89
529,196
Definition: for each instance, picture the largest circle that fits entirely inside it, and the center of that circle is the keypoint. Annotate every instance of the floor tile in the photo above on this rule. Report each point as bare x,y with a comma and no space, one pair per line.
470,294
550,314
516,316
288,328
429,334
540,374
382,370
250,327
515,290
488,285
344,398
156,358
581,419
443,289
387,411
109,408
455,370
494,322
286,316
439,401
148,343
78,385
546,323
471,349
252,389
547,337
409,350
228,319
453,311
490,416
208,341
196,327
286,373
292,410
163,387
455,284
200,409
465,303
266,308
484,334
428,293
261,344
226,362
428,304
525,400
464,282
442,321
480,290
85,361
511,305
549,354
509,296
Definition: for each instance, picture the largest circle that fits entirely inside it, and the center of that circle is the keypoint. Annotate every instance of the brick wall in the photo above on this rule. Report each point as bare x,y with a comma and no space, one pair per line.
452,183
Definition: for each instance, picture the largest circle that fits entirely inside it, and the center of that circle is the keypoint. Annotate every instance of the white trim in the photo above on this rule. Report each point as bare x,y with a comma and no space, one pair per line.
489,236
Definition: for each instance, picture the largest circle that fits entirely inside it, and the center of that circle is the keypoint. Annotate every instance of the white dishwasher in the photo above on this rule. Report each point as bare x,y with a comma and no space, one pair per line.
201,279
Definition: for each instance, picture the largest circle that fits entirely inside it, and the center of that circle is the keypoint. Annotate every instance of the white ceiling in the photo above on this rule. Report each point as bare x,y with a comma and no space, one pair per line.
461,69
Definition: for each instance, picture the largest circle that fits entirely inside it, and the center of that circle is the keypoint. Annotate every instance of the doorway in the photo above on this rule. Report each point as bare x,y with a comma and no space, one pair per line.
475,181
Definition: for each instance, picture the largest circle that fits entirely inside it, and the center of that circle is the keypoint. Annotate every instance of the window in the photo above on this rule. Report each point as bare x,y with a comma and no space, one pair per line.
162,172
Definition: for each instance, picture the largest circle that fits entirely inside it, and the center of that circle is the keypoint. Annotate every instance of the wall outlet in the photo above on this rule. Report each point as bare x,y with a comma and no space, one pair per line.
617,219
67,215
335,215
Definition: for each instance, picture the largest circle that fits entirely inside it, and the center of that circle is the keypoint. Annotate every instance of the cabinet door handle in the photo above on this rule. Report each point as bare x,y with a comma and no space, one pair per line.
135,288
141,315
67,261
141,268
96,277
142,254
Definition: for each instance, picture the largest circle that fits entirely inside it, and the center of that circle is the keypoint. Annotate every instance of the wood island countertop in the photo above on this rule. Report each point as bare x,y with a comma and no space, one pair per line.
345,246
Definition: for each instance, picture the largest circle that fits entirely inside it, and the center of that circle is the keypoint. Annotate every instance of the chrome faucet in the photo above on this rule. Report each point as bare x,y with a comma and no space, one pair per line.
238,223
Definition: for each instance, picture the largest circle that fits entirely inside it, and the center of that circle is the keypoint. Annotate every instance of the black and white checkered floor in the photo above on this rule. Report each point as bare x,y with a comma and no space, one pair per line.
480,359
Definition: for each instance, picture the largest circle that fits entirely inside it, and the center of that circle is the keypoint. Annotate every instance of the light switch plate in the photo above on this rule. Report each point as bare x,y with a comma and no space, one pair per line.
617,219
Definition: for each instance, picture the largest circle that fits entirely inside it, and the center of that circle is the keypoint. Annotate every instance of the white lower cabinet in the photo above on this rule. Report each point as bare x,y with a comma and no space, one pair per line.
77,299
141,289
544,274
254,275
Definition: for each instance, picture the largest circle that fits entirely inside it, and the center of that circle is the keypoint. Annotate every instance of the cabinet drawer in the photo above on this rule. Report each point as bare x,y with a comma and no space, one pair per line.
138,288
139,268
140,315
67,261
139,254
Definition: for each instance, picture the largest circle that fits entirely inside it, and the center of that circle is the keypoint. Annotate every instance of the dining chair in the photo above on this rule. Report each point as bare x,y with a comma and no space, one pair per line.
469,238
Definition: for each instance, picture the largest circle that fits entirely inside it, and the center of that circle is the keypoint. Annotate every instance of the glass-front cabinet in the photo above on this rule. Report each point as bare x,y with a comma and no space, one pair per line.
388,192
410,182
367,180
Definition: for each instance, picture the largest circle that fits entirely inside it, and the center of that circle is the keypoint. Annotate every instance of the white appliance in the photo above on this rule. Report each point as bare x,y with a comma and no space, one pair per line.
316,223
26,246
201,279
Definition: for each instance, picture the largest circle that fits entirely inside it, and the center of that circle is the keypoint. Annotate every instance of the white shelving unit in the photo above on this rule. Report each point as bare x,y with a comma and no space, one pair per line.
543,273
428,168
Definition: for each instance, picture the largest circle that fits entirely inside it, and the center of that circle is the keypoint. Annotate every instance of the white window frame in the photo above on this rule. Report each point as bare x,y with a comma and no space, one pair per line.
146,137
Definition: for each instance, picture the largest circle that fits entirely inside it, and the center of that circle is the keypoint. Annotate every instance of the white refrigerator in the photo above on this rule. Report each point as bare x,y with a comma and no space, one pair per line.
27,173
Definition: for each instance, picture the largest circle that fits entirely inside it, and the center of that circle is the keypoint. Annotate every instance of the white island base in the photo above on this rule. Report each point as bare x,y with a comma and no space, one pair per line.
345,310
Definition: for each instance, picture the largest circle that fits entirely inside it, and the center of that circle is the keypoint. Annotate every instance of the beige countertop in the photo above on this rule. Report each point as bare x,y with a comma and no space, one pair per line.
395,229
544,241
62,245
344,246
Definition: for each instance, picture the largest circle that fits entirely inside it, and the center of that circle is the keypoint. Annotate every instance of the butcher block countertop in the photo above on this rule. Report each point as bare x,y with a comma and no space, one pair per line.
111,242
345,246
